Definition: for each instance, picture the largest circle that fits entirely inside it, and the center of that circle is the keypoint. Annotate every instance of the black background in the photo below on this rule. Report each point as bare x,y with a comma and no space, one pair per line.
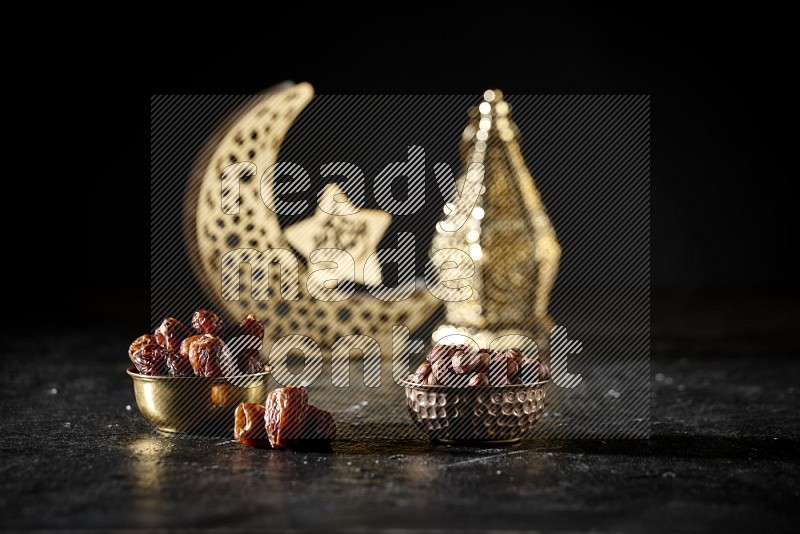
723,449
720,215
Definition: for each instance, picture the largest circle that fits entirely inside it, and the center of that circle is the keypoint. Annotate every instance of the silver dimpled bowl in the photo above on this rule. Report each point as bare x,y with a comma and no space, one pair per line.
502,414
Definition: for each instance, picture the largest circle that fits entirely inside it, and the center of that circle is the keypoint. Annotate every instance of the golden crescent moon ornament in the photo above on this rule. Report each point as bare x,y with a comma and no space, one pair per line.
220,220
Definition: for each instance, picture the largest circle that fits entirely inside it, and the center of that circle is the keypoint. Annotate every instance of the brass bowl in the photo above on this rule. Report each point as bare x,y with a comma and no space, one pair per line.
195,405
488,415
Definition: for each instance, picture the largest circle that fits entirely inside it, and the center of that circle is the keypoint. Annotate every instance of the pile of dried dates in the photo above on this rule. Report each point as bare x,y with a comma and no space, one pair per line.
175,350
462,366
284,421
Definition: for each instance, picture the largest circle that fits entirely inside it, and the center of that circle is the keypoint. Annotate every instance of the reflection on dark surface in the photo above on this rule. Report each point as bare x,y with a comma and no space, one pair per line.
147,457
722,455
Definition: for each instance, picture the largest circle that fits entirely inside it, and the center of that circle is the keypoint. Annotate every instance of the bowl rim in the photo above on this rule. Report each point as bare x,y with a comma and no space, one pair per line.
132,372
407,385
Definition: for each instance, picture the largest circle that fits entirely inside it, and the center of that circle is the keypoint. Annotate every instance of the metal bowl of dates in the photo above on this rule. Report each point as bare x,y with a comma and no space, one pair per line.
196,405
484,414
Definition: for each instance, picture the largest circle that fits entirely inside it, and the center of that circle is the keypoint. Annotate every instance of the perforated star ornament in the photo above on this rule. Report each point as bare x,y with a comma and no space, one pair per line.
339,224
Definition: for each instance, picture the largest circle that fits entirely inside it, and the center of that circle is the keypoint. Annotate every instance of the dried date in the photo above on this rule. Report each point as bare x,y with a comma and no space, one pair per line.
483,365
141,343
245,344
250,363
206,356
207,322
421,374
319,425
529,373
465,362
284,415
442,371
461,366
177,363
479,380
251,326
512,371
502,370
147,356
544,371
249,427
187,343
171,333
516,355
440,351
534,371
245,362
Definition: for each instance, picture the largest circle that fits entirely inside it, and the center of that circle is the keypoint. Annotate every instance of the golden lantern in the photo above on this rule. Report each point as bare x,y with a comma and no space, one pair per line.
506,233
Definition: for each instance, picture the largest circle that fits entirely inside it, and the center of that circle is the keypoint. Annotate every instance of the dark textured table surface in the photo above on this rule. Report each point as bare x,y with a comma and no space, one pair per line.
723,453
